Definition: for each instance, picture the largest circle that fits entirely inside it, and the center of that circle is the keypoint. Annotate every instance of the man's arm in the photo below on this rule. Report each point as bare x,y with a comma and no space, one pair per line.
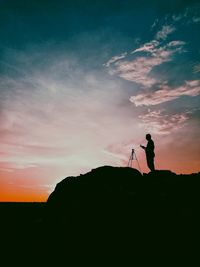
143,147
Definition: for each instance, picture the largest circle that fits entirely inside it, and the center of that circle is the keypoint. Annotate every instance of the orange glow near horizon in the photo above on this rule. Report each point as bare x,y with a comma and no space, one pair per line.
14,195
35,184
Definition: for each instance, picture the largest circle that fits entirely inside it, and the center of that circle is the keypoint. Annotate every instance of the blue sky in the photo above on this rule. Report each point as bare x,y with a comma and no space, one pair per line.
82,82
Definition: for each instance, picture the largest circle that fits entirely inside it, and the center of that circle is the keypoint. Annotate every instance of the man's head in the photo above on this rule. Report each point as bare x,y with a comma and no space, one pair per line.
148,137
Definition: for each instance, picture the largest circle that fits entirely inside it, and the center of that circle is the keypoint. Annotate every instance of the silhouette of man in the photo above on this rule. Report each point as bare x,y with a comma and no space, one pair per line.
149,150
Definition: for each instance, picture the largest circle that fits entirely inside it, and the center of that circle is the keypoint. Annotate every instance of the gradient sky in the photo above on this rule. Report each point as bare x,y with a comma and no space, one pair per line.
82,82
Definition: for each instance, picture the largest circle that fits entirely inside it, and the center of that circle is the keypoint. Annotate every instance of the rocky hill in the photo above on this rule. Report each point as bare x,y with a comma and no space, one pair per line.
108,216
118,200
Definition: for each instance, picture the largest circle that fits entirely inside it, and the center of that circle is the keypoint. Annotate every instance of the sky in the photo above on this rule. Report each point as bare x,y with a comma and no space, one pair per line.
83,82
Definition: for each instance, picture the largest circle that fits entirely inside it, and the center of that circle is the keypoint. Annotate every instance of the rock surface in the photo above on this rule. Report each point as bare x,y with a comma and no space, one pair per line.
116,196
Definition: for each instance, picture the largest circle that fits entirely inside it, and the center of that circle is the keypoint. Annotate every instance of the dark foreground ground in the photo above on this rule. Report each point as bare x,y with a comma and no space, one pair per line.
152,225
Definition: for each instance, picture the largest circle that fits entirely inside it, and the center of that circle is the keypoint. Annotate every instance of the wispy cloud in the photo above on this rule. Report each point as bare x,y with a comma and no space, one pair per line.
160,122
176,17
191,88
138,65
147,47
59,116
189,16
164,32
154,24
196,19
196,68
115,58
138,70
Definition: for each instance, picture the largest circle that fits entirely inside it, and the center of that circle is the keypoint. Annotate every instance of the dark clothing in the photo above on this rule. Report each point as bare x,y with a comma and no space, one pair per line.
150,148
150,154
150,163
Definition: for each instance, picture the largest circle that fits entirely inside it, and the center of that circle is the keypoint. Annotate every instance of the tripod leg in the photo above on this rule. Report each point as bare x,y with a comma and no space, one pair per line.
138,163
129,162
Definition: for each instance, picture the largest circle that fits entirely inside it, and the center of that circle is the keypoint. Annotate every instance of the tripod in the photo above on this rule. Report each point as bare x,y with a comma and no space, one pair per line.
132,157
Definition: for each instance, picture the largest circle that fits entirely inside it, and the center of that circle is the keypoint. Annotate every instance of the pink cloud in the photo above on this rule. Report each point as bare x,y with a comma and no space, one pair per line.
160,122
147,47
115,58
139,69
191,88
175,43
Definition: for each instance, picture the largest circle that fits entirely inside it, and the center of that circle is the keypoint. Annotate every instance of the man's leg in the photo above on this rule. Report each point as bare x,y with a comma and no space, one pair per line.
150,163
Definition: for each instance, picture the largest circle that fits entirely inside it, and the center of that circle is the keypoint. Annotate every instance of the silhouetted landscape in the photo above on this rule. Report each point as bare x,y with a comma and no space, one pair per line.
104,212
